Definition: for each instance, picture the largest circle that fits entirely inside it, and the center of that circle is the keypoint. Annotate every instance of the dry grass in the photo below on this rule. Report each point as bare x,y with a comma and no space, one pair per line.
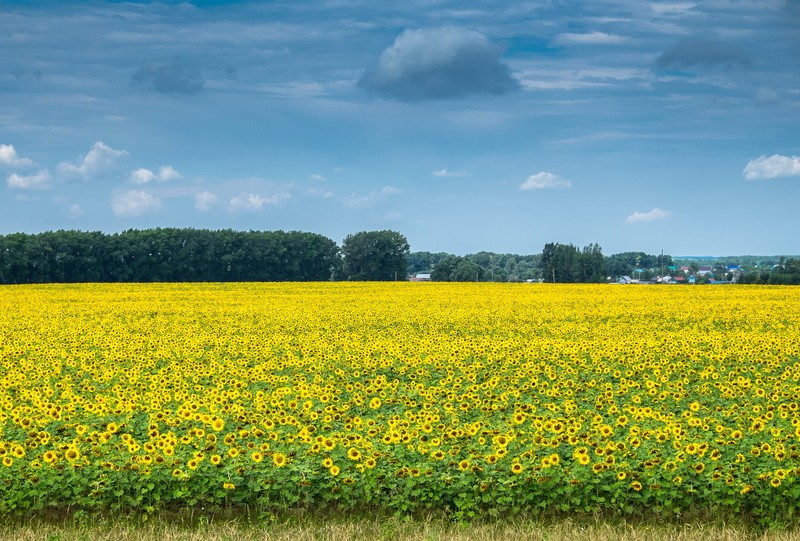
308,528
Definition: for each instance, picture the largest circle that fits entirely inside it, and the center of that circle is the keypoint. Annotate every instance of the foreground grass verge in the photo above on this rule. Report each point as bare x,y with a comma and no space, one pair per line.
299,527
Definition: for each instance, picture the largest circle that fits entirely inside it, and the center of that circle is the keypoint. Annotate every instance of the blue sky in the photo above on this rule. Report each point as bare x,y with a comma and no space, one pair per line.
465,125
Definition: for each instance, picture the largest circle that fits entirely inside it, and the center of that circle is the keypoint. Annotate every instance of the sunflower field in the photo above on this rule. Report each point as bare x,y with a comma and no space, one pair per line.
476,400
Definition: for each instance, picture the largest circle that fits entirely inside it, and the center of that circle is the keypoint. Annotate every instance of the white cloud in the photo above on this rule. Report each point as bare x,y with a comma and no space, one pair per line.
545,181
320,192
133,203
203,201
75,211
37,181
100,157
772,167
655,214
446,173
167,173
316,177
672,8
354,201
252,202
143,176
592,38
9,157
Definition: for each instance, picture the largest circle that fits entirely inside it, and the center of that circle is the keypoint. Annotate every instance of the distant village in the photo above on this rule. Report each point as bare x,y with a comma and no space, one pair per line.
678,275
686,275
591,266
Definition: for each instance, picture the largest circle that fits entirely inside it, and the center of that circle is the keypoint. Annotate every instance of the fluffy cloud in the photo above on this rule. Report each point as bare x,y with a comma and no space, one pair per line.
75,211
435,63
354,201
703,53
203,201
319,192
133,203
171,76
545,181
9,157
143,176
592,38
37,181
772,167
446,173
100,157
252,202
655,214
316,177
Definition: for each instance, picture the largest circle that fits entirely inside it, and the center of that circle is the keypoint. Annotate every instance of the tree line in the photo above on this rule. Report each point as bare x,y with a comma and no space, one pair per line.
194,255
785,272
201,255
560,263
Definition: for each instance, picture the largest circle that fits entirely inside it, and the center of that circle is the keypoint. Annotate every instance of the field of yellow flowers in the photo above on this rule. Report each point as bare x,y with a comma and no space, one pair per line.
471,399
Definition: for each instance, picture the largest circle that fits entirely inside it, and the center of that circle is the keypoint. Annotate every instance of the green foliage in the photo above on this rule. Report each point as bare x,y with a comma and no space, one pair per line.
458,269
564,263
375,256
482,266
424,262
166,255
627,264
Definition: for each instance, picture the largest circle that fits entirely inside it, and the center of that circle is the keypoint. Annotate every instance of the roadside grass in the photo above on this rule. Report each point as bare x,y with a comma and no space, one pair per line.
332,527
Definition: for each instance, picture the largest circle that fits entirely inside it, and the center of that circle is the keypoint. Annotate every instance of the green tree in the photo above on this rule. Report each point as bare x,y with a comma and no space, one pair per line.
375,256
458,269
786,272
424,261
166,255
559,262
